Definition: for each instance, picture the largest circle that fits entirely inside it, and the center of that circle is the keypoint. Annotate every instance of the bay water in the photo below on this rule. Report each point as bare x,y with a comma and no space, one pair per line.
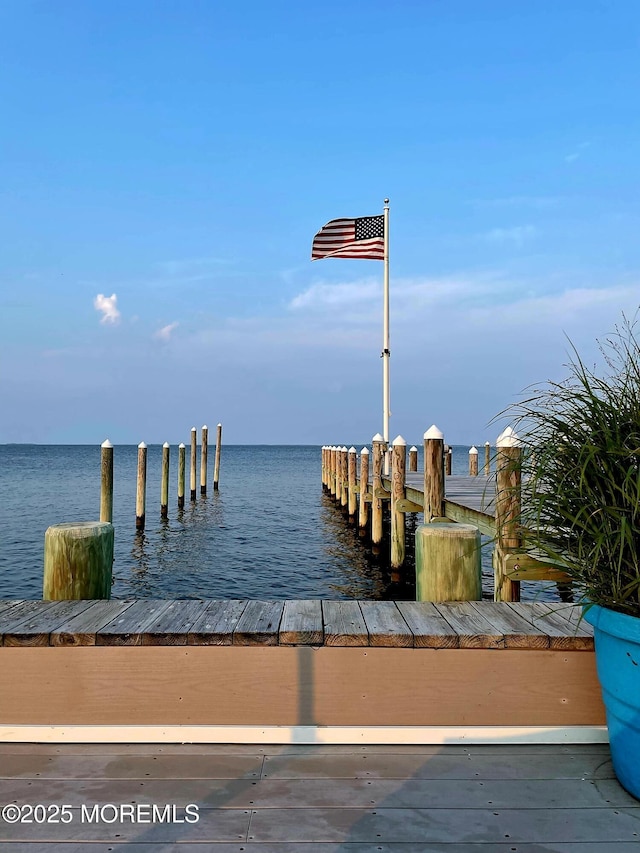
269,532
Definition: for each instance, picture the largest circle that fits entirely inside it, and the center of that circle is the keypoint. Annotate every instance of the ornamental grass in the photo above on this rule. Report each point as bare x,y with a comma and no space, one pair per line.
581,472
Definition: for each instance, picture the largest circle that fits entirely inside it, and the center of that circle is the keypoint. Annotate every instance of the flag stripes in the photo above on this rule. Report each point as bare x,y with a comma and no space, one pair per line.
350,238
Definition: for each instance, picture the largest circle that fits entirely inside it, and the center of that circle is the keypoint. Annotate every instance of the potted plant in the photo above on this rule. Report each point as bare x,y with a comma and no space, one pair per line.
581,494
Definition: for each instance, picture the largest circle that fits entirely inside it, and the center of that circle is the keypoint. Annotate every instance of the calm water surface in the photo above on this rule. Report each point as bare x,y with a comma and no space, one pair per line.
270,532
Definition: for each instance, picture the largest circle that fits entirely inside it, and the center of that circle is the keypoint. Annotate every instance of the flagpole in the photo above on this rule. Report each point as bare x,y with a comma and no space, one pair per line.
385,337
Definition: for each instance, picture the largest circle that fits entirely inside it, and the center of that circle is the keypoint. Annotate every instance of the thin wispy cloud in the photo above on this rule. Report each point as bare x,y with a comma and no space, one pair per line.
517,236
574,155
164,334
335,295
107,306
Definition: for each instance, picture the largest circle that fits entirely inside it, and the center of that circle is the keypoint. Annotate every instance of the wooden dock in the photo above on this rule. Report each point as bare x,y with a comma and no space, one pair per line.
307,668
324,799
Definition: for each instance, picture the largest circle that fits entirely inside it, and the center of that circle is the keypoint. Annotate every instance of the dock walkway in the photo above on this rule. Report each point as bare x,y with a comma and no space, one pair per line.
325,799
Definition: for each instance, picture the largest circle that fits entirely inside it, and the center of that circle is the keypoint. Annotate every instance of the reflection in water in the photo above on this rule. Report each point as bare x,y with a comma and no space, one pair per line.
364,568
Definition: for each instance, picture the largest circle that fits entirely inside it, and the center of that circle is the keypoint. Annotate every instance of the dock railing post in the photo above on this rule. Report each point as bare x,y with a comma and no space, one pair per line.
353,465
338,474
141,486
379,446
447,460
164,487
332,471
487,458
473,462
181,465
203,460
433,474
413,459
344,493
508,510
106,481
363,510
398,472
216,465
193,463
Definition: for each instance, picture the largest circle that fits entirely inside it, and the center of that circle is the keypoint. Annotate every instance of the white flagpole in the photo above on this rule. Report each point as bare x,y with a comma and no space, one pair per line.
385,337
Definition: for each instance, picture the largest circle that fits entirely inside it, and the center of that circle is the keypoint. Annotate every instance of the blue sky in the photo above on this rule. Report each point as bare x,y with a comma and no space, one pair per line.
181,155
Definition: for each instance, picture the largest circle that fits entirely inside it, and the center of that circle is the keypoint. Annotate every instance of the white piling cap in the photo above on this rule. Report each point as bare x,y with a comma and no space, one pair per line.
344,448
166,444
399,441
352,450
219,425
487,443
434,432
473,451
106,443
508,438
377,437
204,426
142,446
181,445
413,449
365,450
193,429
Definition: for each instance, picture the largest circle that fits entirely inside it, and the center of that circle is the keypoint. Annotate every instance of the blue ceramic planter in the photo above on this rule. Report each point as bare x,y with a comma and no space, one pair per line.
617,643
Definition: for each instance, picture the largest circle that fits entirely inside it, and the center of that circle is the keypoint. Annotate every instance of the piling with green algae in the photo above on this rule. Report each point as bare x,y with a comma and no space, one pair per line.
78,560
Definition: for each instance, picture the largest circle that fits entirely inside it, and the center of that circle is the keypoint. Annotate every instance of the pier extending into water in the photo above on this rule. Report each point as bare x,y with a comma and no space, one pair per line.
490,502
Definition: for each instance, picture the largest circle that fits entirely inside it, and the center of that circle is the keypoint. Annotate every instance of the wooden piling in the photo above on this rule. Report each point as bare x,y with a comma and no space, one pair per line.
193,462
508,509
379,447
106,481
164,485
487,458
433,474
204,449
344,493
413,459
352,504
363,510
447,459
141,487
473,462
78,560
398,472
338,495
216,466
448,564
181,465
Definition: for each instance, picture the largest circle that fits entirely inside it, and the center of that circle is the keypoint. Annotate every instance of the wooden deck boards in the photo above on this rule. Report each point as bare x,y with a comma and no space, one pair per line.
325,799
480,625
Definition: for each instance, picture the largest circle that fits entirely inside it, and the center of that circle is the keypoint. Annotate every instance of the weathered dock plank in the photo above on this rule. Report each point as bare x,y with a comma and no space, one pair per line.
128,628
301,623
517,631
474,631
385,624
400,624
259,624
43,619
171,625
81,628
561,623
429,627
217,623
344,624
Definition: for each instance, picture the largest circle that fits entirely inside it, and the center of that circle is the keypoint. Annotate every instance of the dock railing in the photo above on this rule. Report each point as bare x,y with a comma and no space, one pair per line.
492,502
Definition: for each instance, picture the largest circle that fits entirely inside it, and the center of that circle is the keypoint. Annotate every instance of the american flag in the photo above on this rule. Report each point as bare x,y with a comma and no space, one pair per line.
350,238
